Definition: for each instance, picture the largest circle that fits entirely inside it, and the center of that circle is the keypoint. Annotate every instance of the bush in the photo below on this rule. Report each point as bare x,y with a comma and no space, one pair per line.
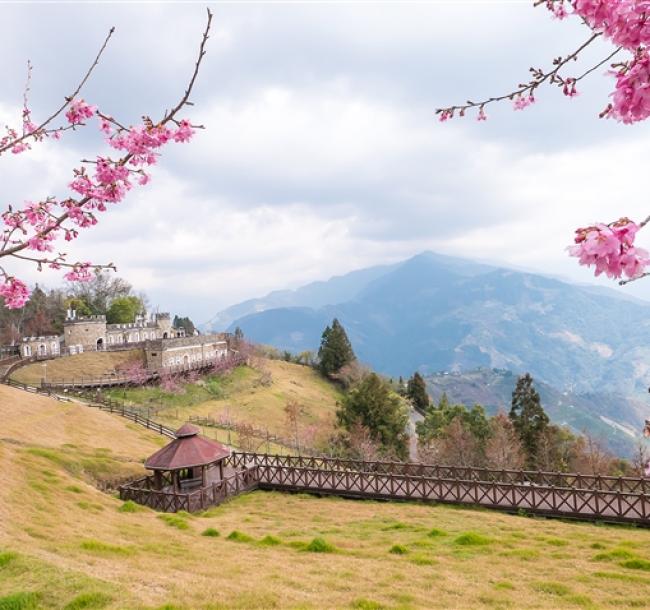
270,541
398,549
210,532
318,545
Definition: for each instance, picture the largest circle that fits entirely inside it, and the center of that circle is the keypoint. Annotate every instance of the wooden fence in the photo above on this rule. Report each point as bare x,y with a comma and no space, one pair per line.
261,434
142,492
569,495
401,481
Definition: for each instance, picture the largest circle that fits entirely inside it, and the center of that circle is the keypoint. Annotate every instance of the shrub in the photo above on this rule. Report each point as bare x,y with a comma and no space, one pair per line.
19,601
472,539
318,545
237,536
270,541
210,532
398,549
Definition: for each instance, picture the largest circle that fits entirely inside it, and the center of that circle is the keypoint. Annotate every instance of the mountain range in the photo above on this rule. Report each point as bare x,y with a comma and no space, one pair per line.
437,314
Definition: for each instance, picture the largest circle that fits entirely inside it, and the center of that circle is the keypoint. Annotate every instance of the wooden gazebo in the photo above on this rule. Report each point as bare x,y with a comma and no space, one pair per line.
192,462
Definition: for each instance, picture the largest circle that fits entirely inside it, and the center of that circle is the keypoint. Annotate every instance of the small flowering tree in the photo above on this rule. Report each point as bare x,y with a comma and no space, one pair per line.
30,231
609,247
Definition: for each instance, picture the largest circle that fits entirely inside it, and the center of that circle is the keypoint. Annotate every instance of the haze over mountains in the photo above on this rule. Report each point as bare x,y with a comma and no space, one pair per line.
435,313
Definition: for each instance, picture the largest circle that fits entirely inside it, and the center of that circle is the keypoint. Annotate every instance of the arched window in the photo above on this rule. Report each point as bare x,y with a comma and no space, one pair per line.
55,347
27,350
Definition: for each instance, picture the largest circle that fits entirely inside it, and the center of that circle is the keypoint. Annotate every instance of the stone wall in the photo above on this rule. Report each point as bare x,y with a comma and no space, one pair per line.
186,351
41,347
85,333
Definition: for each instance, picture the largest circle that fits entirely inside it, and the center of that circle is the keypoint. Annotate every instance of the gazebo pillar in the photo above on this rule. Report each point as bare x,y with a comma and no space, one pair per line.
157,478
221,470
175,480
204,475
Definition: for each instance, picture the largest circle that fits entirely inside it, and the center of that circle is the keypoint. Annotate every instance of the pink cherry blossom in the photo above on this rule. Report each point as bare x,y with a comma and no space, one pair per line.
610,249
481,115
78,111
80,273
14,292
523,101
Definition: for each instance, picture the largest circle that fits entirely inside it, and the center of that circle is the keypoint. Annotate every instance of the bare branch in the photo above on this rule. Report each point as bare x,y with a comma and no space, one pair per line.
68,99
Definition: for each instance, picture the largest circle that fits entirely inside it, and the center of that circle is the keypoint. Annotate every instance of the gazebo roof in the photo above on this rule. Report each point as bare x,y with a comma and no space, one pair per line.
187,450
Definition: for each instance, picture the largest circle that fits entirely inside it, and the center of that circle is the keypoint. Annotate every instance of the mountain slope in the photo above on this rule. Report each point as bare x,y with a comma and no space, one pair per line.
433,314
615,419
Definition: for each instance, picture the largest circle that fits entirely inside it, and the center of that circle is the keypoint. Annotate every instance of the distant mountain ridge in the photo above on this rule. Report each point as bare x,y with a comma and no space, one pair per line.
436,313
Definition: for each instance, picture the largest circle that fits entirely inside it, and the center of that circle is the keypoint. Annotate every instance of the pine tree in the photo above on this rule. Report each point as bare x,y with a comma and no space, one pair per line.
528,416
416,392
335,349
373,405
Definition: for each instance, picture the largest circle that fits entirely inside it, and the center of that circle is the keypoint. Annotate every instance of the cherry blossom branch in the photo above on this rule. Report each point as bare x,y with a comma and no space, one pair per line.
539,78
39,130
111,180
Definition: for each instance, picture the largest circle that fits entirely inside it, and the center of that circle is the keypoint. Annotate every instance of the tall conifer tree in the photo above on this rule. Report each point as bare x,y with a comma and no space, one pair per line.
416,391
528,416
335,349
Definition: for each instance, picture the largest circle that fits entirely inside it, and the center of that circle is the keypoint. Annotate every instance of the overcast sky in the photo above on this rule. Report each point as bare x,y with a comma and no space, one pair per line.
321,152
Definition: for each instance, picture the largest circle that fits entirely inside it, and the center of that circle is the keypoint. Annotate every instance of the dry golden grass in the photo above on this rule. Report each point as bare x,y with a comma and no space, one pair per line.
245,398
61,540
88,364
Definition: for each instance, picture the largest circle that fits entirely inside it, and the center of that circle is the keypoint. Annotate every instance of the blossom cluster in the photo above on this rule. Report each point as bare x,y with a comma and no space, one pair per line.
610,248
37,225
626,23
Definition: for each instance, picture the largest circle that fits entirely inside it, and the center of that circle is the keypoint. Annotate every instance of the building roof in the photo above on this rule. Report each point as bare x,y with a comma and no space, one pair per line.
187,450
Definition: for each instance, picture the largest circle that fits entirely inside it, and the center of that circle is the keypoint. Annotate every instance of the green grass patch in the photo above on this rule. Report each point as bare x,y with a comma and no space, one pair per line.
237,536
6,558
398,549
210,532
398,525
103,548
504,585
614,555
597,545
556,541
88,600
319,545
175,520
75,489
436,533
622,577
366,604
636,564
421,560
472,539
20,601
552,588
269,540
130,507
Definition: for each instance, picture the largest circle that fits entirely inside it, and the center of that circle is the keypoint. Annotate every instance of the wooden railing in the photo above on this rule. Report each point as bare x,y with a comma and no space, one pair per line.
142,492
400,481
439,471
264,435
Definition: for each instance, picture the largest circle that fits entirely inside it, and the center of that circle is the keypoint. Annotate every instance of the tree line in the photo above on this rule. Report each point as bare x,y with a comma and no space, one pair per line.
45,312
373,417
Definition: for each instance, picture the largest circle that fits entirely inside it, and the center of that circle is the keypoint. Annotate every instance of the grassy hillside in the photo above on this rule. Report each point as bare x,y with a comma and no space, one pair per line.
88,364
254,395
63,544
